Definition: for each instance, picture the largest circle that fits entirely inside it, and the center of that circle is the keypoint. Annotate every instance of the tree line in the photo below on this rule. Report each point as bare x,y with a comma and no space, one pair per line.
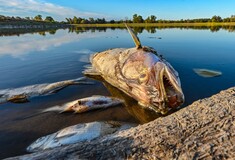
135,19
17,18
150,19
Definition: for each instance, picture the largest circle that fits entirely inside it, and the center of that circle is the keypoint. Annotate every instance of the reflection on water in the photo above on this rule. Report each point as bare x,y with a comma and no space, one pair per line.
150,29
25,44
47,57
77,29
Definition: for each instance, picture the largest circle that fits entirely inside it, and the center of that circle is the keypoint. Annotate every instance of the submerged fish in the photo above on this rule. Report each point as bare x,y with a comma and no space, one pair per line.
141,73
207,73
77,133
86,104
22,94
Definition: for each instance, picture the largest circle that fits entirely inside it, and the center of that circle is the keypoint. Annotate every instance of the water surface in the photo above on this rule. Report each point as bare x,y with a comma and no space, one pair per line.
44,57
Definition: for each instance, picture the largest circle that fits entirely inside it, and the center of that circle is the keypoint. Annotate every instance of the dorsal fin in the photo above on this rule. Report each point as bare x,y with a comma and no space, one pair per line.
134,36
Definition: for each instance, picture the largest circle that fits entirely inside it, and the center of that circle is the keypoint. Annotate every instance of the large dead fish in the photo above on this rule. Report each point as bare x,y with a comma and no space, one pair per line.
77,133
22,94
141,73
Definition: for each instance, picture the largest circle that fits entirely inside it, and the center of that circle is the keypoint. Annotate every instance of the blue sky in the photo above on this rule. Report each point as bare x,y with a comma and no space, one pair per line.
118,9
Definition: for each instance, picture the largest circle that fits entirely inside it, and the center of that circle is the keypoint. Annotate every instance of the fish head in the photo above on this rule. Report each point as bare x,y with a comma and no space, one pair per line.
152,81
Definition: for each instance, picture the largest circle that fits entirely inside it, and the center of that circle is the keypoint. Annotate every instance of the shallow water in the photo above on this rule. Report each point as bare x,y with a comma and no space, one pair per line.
29,59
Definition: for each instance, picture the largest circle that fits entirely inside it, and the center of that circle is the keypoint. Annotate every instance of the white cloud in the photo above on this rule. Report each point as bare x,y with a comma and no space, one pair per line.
34,7
28,43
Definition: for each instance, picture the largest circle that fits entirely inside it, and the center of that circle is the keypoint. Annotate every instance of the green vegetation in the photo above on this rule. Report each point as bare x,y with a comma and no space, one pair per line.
10,26
150,19
37,20
136,20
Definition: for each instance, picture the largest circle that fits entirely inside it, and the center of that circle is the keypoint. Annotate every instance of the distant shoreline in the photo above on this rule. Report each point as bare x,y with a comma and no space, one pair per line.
206,24
30,25
13,25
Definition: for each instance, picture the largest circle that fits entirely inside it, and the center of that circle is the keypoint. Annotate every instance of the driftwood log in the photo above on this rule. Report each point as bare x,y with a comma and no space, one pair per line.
203,130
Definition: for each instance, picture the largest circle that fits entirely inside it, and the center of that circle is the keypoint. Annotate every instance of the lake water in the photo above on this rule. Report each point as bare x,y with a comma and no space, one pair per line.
37,58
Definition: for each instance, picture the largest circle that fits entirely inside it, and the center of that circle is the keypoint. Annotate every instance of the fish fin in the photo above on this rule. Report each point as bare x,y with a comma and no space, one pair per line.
134,37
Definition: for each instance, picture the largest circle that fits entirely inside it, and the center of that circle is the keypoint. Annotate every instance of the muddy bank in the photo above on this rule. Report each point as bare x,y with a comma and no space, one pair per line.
204,129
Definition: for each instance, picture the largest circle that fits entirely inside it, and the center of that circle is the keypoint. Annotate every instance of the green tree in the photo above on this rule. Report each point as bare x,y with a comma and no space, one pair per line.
69,20
27,18
91,20
232,18
84,21
49,19
226,20
150,19
112,21
137,19
147,20
216,19
75,20
153,18
38,18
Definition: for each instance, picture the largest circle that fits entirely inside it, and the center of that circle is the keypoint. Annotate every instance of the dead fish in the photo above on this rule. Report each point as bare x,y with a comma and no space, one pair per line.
77,133
22,94
21,98
86,104
141,73
207,73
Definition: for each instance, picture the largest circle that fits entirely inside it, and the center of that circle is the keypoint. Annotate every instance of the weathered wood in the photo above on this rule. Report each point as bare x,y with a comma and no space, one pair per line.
203,130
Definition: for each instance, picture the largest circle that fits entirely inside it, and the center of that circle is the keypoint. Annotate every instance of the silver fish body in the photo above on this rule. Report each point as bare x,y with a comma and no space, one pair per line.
207,73
23,93
77,133
142,74
86,104
92,103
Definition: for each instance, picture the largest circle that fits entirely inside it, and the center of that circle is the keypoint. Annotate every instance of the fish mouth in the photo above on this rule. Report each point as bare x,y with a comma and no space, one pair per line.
171,88
170,92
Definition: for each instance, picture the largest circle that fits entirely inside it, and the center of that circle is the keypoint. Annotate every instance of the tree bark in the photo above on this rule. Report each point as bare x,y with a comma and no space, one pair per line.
203,130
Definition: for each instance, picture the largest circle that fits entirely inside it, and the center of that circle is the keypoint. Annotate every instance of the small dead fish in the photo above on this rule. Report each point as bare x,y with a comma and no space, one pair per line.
86,104
21,98
77,133
22,94
206,73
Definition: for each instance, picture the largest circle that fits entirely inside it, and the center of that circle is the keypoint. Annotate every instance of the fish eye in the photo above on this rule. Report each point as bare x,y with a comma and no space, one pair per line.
143,78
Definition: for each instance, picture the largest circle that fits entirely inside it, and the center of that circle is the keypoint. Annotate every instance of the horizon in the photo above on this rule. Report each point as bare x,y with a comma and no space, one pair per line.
117,10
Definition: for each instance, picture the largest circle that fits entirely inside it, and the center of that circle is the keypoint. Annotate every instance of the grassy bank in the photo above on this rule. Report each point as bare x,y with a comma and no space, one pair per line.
208,24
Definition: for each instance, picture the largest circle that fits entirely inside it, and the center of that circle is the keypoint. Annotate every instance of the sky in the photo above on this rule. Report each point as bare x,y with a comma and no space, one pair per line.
118,9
